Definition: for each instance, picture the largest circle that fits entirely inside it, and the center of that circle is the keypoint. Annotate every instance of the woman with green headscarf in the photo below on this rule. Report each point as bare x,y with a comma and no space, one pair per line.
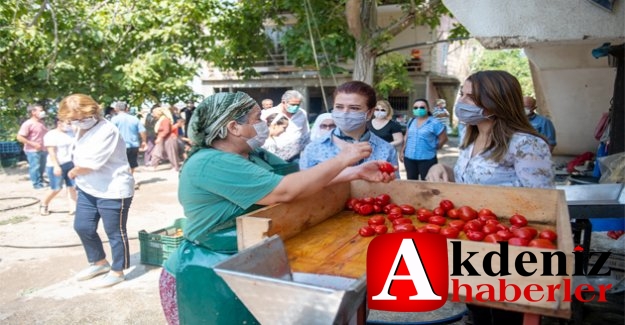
226,175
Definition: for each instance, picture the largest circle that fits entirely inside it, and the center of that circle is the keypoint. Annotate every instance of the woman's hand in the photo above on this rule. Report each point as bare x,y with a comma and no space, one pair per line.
352,153
370,171
440,173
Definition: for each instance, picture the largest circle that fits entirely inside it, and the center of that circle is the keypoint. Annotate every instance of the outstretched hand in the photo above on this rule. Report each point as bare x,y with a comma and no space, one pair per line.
352,153
371,171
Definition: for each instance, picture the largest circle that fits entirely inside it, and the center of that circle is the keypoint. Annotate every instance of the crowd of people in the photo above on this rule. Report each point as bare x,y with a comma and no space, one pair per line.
235,156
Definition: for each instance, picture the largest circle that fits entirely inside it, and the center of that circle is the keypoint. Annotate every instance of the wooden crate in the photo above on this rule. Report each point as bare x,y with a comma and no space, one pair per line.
322,238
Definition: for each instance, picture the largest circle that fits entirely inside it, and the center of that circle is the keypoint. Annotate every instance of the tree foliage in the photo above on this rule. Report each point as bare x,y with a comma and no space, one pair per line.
513,61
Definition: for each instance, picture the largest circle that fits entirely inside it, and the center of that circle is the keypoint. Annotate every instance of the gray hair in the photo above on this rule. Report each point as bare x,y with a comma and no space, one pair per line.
33,107
121,106
292,94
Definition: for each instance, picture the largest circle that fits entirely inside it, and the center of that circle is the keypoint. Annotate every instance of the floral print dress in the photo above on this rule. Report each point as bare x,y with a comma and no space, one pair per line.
526,164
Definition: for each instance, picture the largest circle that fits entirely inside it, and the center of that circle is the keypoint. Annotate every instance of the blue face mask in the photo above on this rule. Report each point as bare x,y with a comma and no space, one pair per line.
469,114
420,112
292,109
349,121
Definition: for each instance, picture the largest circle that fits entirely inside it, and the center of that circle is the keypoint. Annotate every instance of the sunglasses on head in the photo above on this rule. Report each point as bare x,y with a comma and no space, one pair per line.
327,126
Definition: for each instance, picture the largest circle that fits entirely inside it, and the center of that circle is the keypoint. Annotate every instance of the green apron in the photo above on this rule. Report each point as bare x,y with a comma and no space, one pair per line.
203,297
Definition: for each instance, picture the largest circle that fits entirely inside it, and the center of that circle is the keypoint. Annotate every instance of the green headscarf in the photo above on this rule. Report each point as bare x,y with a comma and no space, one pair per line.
210,118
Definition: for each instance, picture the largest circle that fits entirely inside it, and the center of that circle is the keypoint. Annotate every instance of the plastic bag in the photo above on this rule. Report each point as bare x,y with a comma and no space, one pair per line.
612,168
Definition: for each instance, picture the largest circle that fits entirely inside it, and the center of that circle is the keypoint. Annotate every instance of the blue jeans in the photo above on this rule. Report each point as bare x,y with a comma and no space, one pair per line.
56,182
36,167
114,215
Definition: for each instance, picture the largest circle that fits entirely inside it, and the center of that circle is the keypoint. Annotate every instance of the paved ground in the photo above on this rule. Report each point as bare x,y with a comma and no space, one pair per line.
39,255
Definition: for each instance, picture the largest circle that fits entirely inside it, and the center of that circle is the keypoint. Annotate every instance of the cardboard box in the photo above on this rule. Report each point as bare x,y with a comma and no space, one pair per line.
322,238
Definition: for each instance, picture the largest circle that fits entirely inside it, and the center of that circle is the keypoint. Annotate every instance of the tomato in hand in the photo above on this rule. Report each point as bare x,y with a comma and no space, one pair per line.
376,220
548,234
380,229
467,213
386,167
450,232
366,231
542,243
518,220
437,220
407,208
446,205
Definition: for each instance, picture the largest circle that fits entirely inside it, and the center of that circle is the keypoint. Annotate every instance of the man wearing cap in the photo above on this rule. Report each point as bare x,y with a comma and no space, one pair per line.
31,134
542,124
132,131
297,134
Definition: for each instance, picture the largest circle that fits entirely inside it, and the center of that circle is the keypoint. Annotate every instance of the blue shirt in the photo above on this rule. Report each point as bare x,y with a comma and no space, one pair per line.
545,127
323,149
130,128
421,141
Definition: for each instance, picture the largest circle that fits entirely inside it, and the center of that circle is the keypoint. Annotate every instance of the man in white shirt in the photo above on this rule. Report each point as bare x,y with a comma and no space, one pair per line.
297,134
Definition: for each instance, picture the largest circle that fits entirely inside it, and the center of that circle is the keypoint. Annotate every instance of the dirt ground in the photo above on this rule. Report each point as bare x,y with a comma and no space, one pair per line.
39,255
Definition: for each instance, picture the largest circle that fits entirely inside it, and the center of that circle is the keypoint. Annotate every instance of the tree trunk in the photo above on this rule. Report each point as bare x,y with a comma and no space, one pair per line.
364,64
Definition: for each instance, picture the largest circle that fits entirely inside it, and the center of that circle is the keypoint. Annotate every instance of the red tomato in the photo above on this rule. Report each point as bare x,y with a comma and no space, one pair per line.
472,225
404,227
400,221
393,216
516,241
486,212
467,213
453,213
489,229
431,228
446,205
395,210
475,235
492,238
437,220
366,231
386,167
380,229
450,232
525,232
505,235
502,227
542,243
484,218
377,208
548,234
407,208
388,207
376,220
438,211
365,209
421,230
349,204
518,220
423,211
383,199
490,222
424,214
356,206
423,217
458,224
368,200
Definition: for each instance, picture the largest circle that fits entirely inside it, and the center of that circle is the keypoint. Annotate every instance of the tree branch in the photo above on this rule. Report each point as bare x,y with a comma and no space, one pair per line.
352,15
42,8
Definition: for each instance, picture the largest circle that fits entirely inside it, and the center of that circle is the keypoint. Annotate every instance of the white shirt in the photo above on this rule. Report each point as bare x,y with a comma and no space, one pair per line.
63,143
102,149
293,140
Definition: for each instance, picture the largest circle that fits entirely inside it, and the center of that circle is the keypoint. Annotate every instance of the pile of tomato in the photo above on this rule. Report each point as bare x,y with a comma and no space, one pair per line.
450,221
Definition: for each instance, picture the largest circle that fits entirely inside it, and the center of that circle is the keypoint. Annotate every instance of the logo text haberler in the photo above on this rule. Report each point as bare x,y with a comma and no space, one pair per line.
410,272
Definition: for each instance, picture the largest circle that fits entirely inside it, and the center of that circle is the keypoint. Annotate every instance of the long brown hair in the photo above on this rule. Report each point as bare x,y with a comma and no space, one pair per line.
500,93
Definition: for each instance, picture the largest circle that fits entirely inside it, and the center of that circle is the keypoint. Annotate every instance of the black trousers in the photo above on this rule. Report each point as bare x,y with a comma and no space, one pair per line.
416,169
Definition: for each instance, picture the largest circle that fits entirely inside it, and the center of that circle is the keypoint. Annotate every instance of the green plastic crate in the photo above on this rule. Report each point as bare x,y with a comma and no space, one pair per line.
157,245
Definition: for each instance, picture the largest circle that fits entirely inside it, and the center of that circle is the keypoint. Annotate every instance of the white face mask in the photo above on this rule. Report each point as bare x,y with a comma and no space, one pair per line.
262,133
527,111
349,121
86,123
41,115
379,114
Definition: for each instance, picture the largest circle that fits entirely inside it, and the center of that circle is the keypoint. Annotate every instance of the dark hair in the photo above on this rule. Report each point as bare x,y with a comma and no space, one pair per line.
358,87
427,104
